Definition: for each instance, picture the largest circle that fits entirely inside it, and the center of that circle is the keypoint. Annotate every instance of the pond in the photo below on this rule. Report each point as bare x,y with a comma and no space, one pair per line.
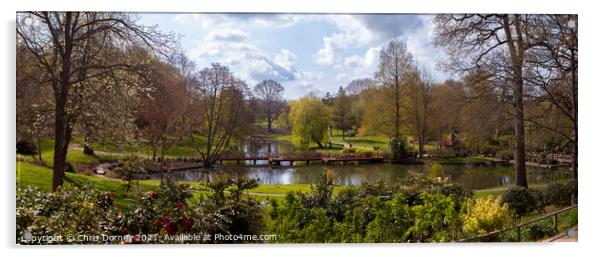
471,176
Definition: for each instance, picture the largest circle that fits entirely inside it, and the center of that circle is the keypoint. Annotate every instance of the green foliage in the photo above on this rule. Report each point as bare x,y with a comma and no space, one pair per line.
310,120
457,192
560,194
432,219
484,215
399,149
69,211
370,213
170,210
436,170
539,230
520,200
225,211
132,165
361,152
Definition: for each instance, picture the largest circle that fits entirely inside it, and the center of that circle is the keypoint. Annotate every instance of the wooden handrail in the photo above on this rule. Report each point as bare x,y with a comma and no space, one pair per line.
518,227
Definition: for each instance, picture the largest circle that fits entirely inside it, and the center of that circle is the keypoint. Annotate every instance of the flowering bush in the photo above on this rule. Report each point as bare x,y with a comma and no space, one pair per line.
155,217
69,211
484,215
162,212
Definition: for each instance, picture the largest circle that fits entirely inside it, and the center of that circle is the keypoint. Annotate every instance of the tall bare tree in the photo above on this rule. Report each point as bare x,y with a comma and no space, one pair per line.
222,98
491,42
395,61
552,70
161,110
72,48
341,111
270,94
418,107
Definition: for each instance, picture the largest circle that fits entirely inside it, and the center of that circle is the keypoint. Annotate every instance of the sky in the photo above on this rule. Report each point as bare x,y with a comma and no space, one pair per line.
305,53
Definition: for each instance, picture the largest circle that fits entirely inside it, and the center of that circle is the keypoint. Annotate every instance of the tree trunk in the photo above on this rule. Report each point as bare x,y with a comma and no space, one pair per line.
39,149
519,132
420,147
62,132
516,55
575,114
60,152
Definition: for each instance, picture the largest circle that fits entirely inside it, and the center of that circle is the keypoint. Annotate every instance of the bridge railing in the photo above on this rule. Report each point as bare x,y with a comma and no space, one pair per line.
519,227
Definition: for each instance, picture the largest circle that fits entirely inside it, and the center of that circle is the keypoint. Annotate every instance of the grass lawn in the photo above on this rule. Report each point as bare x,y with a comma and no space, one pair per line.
41,177
282,189
74,156
184,148
497,191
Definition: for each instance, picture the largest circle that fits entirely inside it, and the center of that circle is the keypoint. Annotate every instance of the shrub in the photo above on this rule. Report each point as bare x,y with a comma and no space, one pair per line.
520,200
560,194
163,212
133,165
168,211
539,230
421,181
364,152
433,218
399,149
349,150
371,213
456,192
118,172
484,215
66,212
26,147
225,211
436,170
88,172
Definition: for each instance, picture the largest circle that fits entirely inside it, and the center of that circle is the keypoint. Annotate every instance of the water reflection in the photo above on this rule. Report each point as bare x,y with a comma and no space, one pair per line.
471,176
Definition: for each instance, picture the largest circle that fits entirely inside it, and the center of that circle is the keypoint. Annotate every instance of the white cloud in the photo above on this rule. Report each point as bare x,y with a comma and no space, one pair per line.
419,43
227,34
245,20
328,54
351,51
359,31
286,59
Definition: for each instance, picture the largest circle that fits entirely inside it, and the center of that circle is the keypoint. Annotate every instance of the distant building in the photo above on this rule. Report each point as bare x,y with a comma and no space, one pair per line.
451,146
